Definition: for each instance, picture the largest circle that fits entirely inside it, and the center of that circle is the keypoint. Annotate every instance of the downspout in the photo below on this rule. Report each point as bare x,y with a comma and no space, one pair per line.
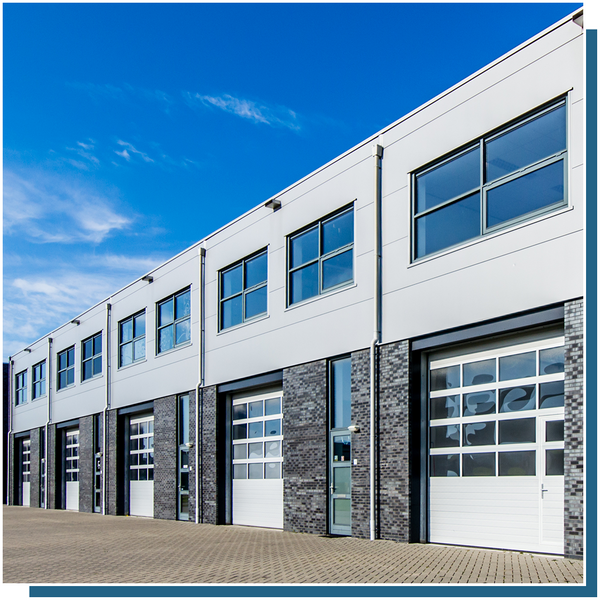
11,466
48,419
106,405
199,492
377,155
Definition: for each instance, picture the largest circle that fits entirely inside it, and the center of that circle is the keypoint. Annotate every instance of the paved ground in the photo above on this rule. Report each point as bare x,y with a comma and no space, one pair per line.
65,547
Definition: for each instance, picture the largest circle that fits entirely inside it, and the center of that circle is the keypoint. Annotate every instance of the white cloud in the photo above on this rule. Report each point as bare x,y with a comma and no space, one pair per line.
124,154
134,150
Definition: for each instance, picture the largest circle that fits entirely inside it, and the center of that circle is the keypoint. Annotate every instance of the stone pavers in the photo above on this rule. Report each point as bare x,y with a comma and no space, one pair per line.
56,546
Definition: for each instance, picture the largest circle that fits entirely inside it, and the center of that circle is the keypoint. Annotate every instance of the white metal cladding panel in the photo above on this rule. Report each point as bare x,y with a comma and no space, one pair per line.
141,498
258,503
26,493
30,415
72,493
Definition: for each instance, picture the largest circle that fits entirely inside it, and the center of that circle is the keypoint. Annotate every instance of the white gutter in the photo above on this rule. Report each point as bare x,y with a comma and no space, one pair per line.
106,405
10,464
48,419
377,155
202,253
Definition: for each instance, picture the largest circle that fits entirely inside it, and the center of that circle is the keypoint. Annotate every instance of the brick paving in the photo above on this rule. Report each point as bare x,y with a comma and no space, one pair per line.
66,547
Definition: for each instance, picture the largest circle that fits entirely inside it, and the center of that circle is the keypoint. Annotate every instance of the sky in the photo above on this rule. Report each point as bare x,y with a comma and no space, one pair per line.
131,131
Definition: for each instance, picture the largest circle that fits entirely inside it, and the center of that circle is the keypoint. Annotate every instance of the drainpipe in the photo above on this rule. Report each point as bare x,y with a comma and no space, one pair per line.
377,155
11,466
106,405
199,491
48,419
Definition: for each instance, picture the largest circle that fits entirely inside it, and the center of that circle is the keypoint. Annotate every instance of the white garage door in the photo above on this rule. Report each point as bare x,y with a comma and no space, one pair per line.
141,466
72,470
25,471
257,460
496,445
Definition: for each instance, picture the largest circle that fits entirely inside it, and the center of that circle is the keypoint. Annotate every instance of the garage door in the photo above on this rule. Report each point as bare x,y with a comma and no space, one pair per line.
72,470
25,471
257,439
141,466
496,445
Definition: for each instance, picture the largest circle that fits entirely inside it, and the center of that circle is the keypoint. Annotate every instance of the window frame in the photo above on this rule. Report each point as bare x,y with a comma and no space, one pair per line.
41,382
174,322
66,369
134,338
485,187
244,291
91,358
21,388
321,257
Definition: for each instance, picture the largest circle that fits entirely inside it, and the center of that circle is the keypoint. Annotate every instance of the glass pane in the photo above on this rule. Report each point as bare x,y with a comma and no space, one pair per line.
340,391
526,194
62,380
552,394
239,411
255,429
516,464
70,376
182,305
555,462
273,427
43,371
517,431
98,344
338,232
304,283
450,225
71,356
239,432
182,332
479,465
231,312
526,144
341,480
143,427
341,511
255,471
555,431
133,459
231,282
126,354
256,409
448,181
88,349
447,436
150,474
446,378
97,365
143,458
272,470
256,302
479,434
517,366
87,369
133,429
304,247
255,450
139,327
133,474
480,403
143,474
445,465
517,398
478,373
552,361
184,503
239,451
447,407
127,331
256,270
272,449
272,406
165,312
151,426
337,270
342,448
151,459
165,338
184,419
139,349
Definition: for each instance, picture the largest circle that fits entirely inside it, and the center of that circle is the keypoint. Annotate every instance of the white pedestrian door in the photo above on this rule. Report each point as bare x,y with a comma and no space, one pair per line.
25,471
141,466
496,446
72,470
257,440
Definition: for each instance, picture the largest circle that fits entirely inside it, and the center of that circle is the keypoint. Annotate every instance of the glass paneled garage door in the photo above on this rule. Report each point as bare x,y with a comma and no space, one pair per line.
141,466
496,446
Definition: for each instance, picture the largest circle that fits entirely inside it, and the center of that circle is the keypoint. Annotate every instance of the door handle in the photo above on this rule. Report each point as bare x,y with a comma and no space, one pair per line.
332,488
543,490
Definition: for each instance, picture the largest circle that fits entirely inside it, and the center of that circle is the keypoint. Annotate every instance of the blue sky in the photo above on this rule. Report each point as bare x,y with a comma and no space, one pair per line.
133,130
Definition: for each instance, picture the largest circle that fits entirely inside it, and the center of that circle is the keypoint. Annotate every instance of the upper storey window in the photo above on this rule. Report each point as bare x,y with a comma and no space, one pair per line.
39,380
173,321
21,388
243,290
320,257
66,368
501,179
91,357
132,339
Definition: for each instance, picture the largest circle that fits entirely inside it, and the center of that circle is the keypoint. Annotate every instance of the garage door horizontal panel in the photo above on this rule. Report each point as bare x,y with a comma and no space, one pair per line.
482,522
258,503
141,498
72,495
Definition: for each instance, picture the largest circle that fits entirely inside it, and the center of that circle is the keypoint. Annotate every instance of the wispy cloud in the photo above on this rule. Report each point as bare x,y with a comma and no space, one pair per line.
275,116
130,148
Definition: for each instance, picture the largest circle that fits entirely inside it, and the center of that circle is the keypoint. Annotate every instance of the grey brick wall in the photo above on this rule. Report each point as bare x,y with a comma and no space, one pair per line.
165,458
13,490
111,463
52,459
34,493
86,463
305,448
193,450
393,443
360,415
208,462
574,362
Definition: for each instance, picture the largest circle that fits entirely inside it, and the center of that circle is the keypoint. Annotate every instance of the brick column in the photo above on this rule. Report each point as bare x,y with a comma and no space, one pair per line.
86,464
192,458
111,463
207,406
165,458
34,488
52,466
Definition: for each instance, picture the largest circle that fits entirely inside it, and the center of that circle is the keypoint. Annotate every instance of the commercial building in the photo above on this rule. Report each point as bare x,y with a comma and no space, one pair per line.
392,347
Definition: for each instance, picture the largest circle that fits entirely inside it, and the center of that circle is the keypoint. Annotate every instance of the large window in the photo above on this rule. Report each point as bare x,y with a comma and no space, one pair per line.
132,339
21,388
66,368
243,290
340,392
320,257
501,179
173,321
91,357
39,380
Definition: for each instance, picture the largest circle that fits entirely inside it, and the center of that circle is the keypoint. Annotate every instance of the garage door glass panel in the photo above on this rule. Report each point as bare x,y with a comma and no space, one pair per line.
479,403
446,407
239,451
517,366
480,372
255,450
445,465
445,378
256,409
255,430
447,436
239,432
555,462
239,471
272,449
255,470
273,427
517,399
552,360
479,434
239,412
516,464
517,431
479,465
552,394
555,431
272,406
272,470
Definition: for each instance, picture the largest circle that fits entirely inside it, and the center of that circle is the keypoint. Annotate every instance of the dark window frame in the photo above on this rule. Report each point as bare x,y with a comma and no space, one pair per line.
92,358
21,388
174,322
70,366
37,383
133,339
